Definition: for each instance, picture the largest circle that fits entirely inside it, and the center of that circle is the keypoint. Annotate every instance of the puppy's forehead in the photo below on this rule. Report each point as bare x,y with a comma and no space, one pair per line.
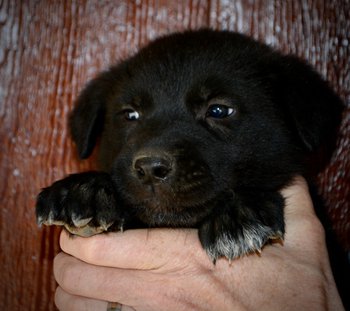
178,79
194,64
171,75
174,64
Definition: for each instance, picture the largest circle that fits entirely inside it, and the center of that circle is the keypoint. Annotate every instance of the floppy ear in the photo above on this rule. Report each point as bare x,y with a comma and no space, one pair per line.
88,116
311,106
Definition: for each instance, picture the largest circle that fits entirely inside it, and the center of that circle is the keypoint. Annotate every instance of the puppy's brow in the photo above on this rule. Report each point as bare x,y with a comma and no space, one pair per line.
198,95
204,92
137,99
208,88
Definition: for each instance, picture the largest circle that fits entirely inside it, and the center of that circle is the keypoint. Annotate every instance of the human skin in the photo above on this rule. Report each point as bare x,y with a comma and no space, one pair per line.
167,269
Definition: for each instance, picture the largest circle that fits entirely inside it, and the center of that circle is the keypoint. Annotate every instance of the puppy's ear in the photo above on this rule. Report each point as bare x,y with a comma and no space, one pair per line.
88,116
311,106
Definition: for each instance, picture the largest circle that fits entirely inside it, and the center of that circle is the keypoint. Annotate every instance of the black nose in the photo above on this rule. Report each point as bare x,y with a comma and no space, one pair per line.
152,169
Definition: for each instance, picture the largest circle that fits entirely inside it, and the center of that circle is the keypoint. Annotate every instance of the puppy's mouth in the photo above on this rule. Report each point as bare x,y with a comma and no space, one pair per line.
175,209
176,201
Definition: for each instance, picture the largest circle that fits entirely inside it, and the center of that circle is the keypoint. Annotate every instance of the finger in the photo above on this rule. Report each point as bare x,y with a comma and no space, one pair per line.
65,301
145,249
80,279
302,225
298,200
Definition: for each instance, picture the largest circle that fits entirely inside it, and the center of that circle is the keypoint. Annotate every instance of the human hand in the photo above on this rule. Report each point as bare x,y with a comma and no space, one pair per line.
167,269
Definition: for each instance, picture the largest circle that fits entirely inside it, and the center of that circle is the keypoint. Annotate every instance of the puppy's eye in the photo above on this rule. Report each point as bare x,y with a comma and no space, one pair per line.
219,111
131,115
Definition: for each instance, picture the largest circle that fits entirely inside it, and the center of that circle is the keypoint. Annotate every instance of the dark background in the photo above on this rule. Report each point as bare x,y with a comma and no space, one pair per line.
49,49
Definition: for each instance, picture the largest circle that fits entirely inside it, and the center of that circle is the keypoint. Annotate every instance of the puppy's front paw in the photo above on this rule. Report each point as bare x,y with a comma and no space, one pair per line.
243,229
85,204
234,240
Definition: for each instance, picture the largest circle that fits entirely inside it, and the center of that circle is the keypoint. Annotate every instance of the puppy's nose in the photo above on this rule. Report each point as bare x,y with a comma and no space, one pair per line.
152,169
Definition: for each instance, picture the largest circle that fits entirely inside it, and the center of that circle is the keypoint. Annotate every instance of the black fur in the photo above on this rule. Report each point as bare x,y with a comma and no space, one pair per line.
199,129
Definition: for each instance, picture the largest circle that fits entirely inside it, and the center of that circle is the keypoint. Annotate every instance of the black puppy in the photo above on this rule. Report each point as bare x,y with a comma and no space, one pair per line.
199,129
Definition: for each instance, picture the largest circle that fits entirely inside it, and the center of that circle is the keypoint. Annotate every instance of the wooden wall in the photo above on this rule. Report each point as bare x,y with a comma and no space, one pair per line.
49,49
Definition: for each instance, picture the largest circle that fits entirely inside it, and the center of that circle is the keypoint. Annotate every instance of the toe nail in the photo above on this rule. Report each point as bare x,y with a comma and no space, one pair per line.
80,222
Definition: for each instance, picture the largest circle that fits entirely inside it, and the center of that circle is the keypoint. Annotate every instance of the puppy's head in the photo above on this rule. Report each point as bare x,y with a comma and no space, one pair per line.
195,117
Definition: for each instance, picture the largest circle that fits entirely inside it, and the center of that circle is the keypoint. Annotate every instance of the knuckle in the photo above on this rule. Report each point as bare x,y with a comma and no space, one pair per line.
67,274
314,227
314,233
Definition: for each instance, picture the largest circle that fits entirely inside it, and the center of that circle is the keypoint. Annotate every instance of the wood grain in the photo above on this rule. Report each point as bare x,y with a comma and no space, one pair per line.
49,49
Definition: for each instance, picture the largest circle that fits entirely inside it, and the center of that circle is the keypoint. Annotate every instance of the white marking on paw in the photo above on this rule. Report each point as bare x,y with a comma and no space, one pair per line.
250,240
